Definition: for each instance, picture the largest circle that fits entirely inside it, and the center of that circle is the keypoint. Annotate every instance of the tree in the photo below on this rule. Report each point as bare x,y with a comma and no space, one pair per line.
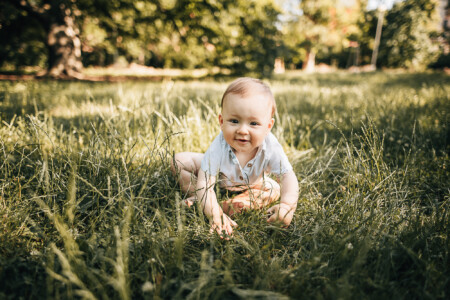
57,20
58,23
240,35
315,20
407,36
248,39
322,29
186,33
367,25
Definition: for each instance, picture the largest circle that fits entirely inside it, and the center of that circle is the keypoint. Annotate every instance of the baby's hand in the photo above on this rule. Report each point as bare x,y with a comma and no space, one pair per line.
282,213
222,224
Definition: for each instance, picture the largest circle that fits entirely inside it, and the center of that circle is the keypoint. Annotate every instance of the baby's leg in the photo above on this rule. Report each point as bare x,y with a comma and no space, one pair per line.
186,166
257,196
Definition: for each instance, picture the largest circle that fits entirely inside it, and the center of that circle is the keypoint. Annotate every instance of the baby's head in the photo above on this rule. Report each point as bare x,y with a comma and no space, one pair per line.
246,86
247,113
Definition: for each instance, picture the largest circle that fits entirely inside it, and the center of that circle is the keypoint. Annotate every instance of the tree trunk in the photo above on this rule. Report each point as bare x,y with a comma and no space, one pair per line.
64,46
63,42
309,65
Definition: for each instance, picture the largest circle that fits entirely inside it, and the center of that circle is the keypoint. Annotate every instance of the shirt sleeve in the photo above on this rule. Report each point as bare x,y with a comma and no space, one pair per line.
212,159
278,162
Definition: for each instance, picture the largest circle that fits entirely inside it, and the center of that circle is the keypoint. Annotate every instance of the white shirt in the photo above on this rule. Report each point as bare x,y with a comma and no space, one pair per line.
220,160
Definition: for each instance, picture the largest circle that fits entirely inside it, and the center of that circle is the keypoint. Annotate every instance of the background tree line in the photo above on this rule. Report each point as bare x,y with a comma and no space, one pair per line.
243,36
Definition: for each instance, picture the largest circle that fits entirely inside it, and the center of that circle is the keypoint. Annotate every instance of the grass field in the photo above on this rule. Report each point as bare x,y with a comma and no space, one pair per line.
89,208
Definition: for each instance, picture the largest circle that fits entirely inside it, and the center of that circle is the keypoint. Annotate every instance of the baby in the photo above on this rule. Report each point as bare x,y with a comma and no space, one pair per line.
240,159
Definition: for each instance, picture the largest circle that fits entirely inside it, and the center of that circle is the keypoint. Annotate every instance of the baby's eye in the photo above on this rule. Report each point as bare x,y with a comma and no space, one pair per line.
234,121
254,123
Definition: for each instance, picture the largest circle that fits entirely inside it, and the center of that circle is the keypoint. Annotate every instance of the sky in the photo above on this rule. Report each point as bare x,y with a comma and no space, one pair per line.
373,4
293,5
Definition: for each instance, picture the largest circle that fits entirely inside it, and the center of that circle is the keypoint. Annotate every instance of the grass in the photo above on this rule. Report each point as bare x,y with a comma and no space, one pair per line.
89,208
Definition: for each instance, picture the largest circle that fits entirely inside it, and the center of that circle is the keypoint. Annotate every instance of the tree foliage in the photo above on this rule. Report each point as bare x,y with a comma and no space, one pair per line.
240,35
407,39
21,45
322,29
243,36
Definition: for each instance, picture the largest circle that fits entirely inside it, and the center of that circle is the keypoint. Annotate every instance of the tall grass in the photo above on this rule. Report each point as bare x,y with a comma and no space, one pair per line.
90,209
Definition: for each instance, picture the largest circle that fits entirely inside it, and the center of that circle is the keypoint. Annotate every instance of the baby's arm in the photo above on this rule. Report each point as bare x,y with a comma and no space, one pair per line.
207,198
284,211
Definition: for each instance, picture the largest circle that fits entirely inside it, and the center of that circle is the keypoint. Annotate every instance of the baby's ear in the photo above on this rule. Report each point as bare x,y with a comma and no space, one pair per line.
220,119
271,122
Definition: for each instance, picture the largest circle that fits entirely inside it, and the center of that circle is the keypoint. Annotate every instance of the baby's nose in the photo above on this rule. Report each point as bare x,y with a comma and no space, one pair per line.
243,129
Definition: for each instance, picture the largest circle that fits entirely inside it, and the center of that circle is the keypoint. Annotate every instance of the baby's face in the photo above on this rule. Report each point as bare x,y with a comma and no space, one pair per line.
245,122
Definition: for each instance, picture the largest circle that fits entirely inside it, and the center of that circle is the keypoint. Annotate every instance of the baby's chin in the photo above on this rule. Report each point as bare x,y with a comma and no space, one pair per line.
245,149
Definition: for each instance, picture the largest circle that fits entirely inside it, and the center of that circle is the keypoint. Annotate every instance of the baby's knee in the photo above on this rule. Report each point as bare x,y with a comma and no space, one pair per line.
189,161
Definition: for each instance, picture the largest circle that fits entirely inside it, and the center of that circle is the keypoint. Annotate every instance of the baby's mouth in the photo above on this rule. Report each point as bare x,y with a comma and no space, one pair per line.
242,140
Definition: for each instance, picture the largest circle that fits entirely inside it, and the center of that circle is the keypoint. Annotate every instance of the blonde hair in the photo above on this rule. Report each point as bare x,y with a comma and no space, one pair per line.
245,85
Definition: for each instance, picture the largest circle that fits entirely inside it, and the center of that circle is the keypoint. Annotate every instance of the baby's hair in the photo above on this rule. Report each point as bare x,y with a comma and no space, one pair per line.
245,85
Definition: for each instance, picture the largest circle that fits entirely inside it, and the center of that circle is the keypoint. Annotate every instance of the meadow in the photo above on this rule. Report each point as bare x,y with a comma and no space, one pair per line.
89,208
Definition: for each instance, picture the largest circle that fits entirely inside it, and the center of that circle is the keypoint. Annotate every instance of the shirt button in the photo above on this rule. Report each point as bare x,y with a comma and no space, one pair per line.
249,165
241,178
